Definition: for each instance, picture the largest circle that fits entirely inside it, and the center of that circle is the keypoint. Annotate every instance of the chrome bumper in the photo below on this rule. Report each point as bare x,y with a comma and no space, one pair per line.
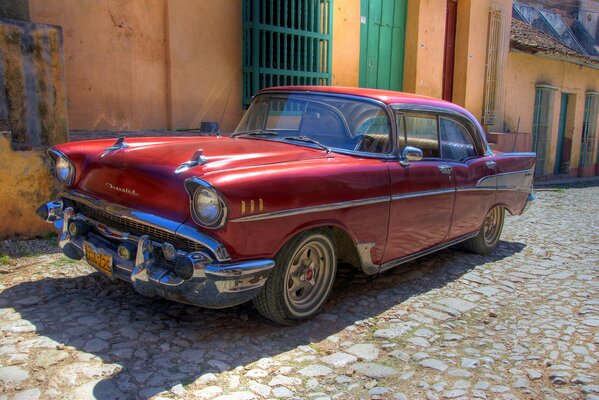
213,284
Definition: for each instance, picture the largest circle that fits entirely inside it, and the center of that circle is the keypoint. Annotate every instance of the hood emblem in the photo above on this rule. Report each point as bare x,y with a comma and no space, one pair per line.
119,144
132,192
197,159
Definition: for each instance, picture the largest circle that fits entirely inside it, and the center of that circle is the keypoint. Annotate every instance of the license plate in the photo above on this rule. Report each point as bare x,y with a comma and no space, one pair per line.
98,259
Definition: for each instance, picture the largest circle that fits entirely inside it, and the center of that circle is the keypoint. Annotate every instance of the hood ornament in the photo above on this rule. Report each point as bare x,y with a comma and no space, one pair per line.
197,159
119,144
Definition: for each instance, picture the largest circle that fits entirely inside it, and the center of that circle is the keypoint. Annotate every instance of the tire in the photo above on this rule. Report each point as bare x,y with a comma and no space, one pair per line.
301,280
487,238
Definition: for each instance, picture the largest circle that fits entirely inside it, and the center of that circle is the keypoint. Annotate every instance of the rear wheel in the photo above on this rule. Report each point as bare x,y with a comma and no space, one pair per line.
487,238
301,280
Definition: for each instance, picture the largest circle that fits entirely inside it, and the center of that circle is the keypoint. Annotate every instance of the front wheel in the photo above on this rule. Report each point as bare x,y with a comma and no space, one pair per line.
301,280
487,238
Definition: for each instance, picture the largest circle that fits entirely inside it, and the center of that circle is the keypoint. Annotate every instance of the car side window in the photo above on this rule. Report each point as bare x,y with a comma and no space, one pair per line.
421,132
456,142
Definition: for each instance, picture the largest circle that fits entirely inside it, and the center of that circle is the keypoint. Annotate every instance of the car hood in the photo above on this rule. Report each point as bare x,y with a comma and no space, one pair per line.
142,176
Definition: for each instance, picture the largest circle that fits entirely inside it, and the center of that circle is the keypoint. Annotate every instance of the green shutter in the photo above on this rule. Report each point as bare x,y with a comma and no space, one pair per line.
286,42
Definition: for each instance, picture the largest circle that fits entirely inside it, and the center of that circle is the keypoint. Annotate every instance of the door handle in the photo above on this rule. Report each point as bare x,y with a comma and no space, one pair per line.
491,164
445,169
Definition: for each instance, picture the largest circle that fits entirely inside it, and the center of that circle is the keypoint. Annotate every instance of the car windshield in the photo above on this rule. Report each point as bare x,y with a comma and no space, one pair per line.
315,120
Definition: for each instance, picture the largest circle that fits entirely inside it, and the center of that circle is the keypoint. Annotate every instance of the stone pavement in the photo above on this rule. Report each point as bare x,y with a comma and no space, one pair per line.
521,323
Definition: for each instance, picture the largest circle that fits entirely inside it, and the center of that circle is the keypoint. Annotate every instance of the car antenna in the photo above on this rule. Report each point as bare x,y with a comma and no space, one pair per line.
516,137
222,117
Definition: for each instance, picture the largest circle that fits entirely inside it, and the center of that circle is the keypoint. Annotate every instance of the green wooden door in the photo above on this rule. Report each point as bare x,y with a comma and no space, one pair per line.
560,135
382,43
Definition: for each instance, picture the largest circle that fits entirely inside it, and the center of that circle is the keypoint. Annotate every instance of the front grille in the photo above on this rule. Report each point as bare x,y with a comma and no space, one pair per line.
136,228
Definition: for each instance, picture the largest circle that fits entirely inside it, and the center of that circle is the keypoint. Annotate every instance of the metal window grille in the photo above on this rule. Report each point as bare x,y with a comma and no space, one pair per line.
589,130
286,42
494,68
541,127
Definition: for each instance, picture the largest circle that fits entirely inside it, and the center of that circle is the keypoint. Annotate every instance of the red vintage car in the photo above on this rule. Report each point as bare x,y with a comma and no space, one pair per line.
311,176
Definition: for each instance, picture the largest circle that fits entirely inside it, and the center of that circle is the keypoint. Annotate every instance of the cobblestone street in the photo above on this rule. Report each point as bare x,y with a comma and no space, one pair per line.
521,323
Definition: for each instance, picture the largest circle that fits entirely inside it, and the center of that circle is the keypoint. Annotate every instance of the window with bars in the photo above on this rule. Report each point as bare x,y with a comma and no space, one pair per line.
494,68
541,127
286,42
589,130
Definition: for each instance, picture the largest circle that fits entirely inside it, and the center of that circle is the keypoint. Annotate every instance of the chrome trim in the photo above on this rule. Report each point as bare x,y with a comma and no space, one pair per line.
197,159
54,154
311,209
238,269
65,236
477,189
422,194
445,169
54,210
118,145
394,263
515,180
517,154
192,185
491,164
172,227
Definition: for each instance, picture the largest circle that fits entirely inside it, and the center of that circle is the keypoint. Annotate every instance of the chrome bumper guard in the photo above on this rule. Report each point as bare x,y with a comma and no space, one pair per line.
212,284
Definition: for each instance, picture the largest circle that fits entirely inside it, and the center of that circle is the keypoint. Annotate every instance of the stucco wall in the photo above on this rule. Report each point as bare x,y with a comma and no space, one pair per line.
425,40
26,183
524,72
151,64
115,55
204,47
346,43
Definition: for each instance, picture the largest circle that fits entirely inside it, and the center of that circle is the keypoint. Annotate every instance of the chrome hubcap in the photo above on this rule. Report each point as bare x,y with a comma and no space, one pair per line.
492,226
307,275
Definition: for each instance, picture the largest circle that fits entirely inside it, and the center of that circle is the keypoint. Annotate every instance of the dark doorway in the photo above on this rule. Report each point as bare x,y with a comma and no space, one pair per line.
449,54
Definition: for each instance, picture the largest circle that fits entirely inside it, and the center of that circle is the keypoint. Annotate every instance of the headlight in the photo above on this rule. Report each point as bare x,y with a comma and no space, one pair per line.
64,169
207,207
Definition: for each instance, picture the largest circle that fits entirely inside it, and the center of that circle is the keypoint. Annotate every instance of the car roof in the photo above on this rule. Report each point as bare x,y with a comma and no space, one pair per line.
385,96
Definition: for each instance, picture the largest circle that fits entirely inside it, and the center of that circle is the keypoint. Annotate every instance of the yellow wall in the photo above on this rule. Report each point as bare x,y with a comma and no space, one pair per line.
524,72
425,39
346,43
471,50
26,183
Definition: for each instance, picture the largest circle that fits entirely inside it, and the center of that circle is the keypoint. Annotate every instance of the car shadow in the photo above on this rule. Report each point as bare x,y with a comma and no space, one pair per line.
160,343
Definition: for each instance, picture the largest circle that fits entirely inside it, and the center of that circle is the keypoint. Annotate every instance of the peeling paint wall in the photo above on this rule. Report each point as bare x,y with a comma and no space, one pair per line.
33,115
26,182
32,89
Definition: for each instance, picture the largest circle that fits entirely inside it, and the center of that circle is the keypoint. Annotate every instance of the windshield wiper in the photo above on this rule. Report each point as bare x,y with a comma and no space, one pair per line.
255,132
307,139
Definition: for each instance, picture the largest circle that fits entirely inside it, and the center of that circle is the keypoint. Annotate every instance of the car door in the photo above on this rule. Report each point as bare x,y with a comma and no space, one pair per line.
422,192
473,173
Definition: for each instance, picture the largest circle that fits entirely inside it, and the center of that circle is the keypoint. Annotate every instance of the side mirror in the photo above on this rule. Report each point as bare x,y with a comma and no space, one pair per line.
410,154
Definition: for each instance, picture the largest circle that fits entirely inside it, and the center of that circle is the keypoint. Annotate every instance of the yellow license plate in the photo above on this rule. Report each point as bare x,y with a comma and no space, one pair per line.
97,259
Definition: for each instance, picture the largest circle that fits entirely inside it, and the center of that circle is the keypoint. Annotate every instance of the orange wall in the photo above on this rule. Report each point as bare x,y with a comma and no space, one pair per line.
115,61
425,39
151,64
204,52
346,43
